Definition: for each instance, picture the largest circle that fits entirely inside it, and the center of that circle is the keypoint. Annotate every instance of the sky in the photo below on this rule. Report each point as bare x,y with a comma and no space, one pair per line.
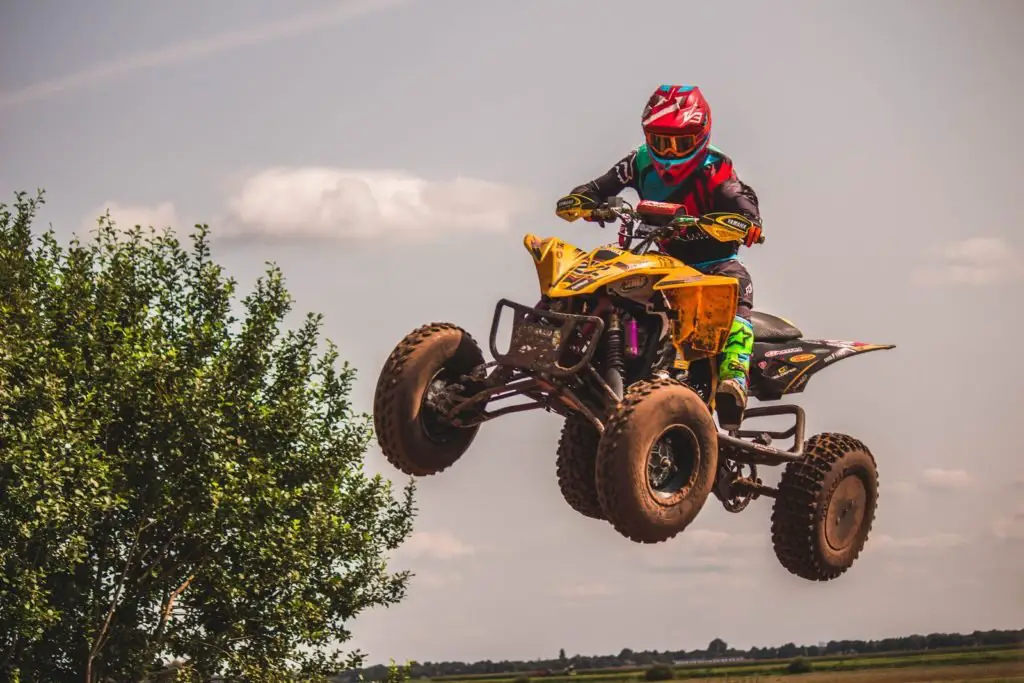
389,157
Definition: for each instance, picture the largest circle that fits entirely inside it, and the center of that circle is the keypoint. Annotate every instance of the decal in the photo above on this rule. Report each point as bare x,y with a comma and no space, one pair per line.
800,382
839,354
691,278
781,352
624,168
784,370
633,282
842,343
566,203
802,358
763,364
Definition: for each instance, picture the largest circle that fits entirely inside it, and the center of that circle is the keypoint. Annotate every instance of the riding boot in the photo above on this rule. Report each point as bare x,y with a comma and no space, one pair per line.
734,369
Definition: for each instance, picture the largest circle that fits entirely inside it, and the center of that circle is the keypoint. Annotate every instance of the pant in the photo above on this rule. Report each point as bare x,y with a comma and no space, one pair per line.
735,357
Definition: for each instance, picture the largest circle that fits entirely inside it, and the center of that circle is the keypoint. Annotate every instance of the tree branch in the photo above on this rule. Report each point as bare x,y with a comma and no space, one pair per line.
166,613
102,635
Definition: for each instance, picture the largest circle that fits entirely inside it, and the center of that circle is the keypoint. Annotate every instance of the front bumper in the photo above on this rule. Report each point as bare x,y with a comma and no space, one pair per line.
542,339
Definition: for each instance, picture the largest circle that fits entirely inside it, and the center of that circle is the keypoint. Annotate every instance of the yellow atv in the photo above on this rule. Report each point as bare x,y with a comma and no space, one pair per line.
623,345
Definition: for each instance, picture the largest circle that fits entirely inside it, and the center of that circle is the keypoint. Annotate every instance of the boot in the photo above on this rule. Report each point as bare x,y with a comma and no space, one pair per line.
731,396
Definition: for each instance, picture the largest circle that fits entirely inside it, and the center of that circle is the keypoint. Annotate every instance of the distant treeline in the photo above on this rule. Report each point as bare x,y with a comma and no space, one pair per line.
717,650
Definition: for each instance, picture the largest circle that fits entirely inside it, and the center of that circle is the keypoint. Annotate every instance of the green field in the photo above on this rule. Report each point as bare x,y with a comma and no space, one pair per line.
989,664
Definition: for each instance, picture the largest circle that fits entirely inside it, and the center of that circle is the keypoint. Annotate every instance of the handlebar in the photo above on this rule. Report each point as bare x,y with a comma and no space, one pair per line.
676,226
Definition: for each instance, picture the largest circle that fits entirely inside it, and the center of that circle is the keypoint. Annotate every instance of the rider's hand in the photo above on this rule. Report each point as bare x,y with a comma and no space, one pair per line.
583,199
754,236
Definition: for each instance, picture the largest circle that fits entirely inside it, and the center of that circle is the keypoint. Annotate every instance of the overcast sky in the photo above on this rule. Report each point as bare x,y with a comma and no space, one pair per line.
389,156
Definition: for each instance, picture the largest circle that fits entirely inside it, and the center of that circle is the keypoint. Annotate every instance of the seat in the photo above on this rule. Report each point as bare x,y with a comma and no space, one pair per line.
771,328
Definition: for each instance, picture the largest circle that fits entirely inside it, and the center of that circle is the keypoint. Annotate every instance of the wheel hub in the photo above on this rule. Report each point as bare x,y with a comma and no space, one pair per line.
436,401
671,462
845,513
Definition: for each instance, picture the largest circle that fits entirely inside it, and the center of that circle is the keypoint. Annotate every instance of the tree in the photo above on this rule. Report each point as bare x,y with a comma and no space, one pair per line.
561,655
799,665
717,647
659,672
175,482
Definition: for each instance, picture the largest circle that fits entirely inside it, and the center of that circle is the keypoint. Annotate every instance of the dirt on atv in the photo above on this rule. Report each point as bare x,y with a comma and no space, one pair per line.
622,345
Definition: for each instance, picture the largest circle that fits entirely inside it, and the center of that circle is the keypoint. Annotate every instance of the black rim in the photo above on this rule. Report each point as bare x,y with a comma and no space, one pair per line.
672,462
436,428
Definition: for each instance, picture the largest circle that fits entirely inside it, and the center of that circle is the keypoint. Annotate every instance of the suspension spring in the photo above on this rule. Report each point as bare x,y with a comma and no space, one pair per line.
613,353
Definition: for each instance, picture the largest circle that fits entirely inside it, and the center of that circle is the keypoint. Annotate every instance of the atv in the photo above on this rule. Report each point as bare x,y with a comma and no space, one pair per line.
623,344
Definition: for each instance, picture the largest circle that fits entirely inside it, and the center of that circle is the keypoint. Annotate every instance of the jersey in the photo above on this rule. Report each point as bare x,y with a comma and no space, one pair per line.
714,187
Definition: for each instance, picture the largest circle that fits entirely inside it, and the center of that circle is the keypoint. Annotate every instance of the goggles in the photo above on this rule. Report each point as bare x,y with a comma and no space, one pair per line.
672,146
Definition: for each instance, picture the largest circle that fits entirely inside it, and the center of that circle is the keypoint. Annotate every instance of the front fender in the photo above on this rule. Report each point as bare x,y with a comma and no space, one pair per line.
552,258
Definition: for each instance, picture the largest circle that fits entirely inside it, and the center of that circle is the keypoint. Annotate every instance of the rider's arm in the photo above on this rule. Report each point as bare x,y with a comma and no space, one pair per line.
613,181
736,196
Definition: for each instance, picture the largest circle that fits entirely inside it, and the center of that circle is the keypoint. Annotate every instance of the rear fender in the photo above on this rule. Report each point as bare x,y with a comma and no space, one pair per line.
781,368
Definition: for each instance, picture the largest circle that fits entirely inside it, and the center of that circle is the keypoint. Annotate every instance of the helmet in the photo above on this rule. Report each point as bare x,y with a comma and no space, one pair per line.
677,127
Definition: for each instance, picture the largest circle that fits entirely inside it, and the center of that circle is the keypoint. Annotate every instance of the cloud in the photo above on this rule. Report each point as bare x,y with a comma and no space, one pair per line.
946,480
702,551
901,488
1011,527
195,49
348,204
439,545
973,261
437,579
127,216
933,479
915,544
594,589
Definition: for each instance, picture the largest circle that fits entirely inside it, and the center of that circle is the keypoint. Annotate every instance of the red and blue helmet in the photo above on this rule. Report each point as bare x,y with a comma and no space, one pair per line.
677,128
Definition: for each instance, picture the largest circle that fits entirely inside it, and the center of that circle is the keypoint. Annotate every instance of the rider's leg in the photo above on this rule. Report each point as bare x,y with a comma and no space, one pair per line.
734,361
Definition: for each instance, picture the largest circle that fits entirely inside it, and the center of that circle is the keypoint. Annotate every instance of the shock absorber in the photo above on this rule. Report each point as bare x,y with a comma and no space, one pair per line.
615,365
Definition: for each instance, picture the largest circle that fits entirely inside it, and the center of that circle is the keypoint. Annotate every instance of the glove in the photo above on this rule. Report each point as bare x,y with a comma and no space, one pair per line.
580,203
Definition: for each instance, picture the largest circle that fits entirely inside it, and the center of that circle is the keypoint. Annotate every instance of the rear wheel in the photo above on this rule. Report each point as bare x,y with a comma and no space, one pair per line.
412,434
825,507
656,461
576,461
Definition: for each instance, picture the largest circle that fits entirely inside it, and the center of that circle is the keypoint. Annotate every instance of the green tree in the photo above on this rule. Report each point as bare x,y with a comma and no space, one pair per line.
175,482
799,665
659,672
717,647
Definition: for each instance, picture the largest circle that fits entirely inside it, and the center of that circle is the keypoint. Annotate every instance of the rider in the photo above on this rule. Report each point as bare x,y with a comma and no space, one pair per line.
677,164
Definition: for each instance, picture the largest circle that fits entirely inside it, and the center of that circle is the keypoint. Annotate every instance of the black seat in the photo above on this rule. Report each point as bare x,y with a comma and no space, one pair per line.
771,328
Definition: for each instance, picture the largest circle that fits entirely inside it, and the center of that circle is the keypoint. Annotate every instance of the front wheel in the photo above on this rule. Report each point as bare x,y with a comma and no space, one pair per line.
656,461
825,507
413,436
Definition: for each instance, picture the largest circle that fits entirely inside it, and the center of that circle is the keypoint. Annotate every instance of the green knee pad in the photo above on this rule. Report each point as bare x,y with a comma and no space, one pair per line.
735,357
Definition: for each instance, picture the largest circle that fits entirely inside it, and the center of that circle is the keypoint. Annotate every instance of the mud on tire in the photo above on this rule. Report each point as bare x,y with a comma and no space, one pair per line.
825,507
657,413
575,465
410,435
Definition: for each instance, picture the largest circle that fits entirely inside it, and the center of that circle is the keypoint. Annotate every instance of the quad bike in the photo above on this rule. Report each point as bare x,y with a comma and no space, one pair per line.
623,345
